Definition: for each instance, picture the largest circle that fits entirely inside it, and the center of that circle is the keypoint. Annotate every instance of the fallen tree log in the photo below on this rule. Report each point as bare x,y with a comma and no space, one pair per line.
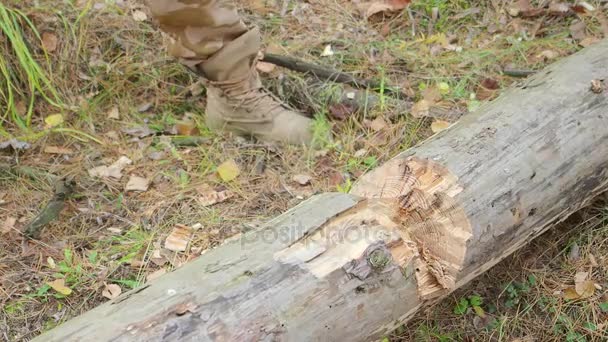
350,267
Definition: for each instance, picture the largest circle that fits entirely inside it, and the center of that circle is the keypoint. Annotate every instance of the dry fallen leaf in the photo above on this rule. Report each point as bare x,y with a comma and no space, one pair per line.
139,15
111,291
559,8
585,289
577,30
57,150
49,42
421,109
9,224
158,258
488,89
113,113
341,111
228,170
378,124
439,125
59,286
179,238
137,184
112,171
265,67
370,8
302,179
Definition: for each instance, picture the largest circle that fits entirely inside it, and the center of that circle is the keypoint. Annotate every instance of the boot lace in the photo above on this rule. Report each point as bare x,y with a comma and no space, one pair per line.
242,95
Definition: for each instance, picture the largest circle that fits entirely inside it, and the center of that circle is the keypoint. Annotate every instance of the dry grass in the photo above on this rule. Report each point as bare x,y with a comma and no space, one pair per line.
105,59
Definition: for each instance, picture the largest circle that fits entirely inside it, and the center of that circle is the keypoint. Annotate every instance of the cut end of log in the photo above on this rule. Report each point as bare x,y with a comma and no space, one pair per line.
408,220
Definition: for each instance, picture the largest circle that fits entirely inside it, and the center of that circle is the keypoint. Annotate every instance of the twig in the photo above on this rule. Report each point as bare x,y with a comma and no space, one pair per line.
63,189
518,72
189,140
324,73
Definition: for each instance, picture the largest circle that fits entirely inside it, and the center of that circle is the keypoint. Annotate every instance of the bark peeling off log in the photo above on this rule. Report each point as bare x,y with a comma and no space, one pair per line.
408,207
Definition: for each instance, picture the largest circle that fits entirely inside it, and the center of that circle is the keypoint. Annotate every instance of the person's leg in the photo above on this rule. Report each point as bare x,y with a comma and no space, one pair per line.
209,37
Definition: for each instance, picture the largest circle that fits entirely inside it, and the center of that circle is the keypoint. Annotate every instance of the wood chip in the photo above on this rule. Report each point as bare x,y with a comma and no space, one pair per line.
213,197
265,67
179,238
137,184
597,86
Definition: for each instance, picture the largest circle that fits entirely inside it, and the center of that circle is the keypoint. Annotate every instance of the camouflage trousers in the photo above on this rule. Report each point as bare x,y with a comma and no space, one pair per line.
198,28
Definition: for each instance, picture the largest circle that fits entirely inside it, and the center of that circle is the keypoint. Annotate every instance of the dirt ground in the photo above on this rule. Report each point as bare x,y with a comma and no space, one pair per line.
89,94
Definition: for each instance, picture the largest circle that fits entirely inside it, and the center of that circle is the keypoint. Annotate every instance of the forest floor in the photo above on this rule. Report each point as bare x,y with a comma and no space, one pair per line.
108,106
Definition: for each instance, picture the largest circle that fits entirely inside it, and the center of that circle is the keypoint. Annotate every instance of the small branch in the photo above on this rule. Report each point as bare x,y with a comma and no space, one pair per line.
328,74
518,72
63,189
189,140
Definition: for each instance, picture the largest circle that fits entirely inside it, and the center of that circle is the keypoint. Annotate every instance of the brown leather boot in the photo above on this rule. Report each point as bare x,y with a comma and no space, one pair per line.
237,102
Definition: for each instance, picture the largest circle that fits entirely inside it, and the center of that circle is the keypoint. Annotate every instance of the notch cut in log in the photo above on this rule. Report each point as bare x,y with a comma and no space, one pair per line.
352,267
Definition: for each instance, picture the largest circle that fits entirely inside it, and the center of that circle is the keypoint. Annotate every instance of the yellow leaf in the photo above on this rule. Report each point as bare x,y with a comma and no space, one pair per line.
570,294
439,125
479,311
51,262
54,120
444,88
228,170
59,286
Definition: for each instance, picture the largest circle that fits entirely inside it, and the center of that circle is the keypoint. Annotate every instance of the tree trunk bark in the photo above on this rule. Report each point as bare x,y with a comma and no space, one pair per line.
351,267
